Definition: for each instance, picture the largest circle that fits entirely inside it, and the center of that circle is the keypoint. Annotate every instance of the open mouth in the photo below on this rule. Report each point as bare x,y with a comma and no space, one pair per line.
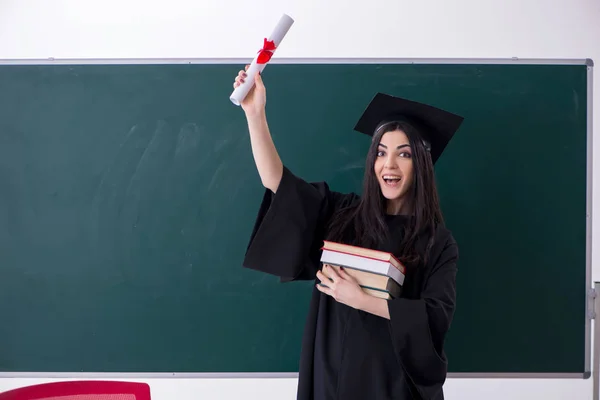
391,180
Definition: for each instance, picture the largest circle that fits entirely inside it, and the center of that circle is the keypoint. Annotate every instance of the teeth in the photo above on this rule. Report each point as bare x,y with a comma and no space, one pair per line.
391,177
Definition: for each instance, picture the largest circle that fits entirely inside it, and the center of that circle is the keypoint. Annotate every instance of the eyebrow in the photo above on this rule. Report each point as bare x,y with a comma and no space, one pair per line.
399,147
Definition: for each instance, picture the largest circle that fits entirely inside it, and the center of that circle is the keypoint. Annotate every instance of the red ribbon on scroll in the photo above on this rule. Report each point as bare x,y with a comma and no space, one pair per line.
265,54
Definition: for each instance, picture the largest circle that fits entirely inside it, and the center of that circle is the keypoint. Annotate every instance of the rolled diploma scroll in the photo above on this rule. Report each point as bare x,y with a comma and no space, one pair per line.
276,37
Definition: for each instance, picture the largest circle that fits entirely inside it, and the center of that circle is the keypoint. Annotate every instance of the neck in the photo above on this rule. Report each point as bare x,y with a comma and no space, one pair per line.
396,207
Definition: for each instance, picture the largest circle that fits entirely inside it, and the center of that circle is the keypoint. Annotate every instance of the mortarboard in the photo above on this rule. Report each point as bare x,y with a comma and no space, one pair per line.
437,126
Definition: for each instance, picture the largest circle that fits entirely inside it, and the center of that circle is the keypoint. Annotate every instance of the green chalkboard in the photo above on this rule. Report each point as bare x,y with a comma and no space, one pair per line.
128,193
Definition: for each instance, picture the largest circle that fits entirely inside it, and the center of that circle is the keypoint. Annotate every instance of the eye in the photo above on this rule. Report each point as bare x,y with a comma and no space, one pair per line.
405,154
380,153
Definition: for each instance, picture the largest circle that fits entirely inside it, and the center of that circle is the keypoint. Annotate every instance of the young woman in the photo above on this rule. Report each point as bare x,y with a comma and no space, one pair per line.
356,346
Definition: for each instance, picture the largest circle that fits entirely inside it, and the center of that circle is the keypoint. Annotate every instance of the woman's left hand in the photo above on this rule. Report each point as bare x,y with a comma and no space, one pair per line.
341,286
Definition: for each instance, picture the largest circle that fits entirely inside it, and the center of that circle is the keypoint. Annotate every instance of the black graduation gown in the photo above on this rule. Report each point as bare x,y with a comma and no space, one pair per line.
347,353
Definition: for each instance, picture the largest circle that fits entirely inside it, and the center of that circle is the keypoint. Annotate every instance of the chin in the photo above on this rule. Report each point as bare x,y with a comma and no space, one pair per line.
392,197
391,193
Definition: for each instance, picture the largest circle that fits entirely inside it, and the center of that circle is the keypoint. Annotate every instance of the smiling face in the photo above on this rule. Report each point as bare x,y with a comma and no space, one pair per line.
393,168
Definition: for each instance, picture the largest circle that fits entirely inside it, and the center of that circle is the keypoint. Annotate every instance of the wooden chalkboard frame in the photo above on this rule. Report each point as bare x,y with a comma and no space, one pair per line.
592,299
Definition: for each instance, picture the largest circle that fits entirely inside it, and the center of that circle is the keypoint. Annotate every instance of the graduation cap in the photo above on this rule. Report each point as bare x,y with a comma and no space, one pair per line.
435,125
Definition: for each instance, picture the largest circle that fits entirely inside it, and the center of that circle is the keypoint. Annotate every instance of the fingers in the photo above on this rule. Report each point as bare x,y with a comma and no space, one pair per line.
240,78
344,275
323,278
258,80
331,272
242,75
324,289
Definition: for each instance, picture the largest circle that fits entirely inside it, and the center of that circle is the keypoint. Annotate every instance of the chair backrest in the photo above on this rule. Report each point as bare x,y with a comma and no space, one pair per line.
81,390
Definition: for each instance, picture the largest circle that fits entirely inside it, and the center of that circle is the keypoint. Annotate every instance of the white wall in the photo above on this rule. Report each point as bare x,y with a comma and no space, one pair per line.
338,28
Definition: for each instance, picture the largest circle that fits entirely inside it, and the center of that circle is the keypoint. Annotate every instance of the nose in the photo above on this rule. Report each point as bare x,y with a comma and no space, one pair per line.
391,162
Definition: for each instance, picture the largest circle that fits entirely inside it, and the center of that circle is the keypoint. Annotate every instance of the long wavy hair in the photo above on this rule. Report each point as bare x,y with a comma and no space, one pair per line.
367,217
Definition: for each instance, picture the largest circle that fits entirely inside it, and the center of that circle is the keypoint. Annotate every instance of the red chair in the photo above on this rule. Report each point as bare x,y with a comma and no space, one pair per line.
81,390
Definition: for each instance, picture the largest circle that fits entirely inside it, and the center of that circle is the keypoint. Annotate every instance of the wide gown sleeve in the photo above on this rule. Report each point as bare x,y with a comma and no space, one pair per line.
290,225
418,326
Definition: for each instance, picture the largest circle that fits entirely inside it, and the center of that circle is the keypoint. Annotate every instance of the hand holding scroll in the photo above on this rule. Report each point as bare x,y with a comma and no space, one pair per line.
261,59
256,99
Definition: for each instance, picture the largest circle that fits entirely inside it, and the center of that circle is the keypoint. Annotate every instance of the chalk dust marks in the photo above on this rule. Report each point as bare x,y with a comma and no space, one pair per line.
188,140
162,184
106,195
152,164
351,166
113,163
114,206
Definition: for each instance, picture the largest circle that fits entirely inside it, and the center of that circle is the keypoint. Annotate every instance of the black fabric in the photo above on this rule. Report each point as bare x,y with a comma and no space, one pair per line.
347,353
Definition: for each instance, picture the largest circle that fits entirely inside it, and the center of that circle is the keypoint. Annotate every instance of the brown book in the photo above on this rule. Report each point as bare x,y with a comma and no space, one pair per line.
374,284
378,293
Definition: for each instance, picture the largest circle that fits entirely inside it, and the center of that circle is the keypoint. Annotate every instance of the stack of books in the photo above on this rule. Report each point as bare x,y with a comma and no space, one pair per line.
378,273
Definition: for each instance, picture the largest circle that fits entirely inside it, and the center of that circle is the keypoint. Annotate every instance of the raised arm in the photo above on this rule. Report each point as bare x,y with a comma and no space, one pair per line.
266,158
